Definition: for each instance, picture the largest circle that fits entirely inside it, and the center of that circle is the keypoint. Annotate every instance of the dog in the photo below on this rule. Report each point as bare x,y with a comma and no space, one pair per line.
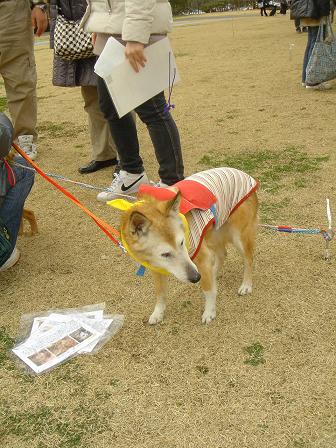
220,206
27,214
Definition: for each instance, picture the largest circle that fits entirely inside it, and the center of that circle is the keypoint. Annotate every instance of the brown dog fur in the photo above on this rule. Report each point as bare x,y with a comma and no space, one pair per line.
153,224
29,216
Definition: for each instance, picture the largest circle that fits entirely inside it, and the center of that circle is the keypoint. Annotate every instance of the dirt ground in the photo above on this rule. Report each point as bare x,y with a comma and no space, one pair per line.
262,375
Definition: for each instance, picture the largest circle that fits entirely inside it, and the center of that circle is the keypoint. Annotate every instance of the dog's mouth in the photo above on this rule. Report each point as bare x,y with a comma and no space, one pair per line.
188,274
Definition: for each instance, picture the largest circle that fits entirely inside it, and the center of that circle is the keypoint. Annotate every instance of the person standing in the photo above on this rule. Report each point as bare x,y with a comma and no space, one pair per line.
262,5
81,73
136,23
18,21
311,15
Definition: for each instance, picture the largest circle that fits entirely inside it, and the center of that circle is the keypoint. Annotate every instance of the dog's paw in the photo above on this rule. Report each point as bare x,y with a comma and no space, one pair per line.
208,316
157,315
245,288
155,319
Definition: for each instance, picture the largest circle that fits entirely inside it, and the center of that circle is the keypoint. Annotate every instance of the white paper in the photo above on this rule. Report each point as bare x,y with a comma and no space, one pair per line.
129,89
56,345
95,319
45,323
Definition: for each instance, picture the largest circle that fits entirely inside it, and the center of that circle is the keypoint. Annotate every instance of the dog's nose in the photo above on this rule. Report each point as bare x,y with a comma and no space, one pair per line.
195,277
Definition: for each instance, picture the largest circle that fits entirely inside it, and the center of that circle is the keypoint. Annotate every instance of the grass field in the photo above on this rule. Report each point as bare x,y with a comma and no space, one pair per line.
262,375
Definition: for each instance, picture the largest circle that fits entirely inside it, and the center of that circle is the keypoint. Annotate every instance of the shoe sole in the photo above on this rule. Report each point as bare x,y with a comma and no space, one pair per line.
119,195
12,263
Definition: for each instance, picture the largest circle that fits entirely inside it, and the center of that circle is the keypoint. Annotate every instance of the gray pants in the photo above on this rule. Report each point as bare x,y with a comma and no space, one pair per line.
103,147
17,65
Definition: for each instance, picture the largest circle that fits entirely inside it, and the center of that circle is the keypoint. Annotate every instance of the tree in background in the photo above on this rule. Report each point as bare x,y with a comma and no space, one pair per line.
180,6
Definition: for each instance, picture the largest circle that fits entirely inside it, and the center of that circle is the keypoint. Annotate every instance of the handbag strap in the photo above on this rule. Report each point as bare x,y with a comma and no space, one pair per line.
10,173
330,29
320,35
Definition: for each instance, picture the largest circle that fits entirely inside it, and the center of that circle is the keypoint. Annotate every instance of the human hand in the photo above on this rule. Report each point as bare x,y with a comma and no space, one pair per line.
39,20
134,52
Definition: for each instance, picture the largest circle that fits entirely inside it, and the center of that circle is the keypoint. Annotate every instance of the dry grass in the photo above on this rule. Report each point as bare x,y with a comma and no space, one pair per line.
263,374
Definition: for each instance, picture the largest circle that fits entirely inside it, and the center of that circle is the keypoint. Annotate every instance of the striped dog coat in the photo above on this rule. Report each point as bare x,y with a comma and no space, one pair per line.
210,196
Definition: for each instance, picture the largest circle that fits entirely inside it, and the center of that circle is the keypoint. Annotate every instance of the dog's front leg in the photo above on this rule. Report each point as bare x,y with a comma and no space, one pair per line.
207,266
161,283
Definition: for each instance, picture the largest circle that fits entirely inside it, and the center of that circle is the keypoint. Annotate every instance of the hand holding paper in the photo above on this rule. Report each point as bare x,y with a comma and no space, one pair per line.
128,88
134,52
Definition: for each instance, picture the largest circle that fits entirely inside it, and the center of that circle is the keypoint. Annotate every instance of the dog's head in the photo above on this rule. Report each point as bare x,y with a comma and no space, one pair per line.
155,234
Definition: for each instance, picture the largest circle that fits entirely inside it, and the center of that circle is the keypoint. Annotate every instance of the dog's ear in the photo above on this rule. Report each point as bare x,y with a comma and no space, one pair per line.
139,224
174,204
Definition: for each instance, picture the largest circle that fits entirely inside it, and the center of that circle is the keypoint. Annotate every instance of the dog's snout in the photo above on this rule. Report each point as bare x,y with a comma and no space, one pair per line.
194,276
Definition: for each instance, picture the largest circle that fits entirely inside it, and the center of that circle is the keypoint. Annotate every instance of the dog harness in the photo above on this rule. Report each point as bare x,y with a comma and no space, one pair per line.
209,196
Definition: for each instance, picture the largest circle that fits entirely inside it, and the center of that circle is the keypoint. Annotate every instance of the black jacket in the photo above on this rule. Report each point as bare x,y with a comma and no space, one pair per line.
6,135
70,73
312,9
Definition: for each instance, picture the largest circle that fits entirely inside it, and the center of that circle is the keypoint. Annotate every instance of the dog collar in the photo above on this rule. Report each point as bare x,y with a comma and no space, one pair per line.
121,204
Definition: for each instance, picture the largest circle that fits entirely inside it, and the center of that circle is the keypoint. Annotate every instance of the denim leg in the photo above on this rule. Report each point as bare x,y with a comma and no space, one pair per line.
165,138
123,131
312,35
12,207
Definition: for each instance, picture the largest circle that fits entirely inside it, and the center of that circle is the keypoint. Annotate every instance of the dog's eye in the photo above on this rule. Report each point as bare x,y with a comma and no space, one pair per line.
166,255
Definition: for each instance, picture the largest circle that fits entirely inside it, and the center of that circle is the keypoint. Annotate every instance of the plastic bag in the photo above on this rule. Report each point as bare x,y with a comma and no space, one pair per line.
48,339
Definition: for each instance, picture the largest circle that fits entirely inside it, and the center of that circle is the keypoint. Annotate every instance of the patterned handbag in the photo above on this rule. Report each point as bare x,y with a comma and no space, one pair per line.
322,62
70,41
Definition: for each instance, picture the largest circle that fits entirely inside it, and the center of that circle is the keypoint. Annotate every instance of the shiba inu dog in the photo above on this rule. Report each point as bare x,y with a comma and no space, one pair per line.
29,216
184,230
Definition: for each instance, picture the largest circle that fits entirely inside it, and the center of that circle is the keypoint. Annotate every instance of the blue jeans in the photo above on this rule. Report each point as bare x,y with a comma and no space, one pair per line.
162,130
12,207
312,35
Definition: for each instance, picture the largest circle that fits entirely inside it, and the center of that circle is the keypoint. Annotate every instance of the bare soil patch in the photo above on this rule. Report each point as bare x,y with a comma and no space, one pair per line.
261,375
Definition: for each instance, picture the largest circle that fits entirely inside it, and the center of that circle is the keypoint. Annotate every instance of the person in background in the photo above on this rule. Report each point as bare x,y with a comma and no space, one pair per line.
262,5
311,15
283,7
81,73
15,185
136,23
18,21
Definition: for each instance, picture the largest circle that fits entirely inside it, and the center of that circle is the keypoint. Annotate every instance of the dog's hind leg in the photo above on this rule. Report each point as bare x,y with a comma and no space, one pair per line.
30,217
207,265
245,245
242,228
161,283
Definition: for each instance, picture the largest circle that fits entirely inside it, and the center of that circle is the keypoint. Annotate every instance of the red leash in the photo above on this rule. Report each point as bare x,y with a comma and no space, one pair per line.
106,228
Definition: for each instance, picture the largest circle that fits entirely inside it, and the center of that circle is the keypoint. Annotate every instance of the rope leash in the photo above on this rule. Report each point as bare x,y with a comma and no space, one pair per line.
327,235
66,179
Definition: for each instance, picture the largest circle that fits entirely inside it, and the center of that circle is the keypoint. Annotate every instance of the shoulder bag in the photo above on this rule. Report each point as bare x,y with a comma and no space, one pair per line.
322,62
70,41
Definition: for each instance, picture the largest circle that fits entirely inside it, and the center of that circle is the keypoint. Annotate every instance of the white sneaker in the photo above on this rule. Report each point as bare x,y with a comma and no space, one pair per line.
160,184
123,184
322,86
12,260
26,143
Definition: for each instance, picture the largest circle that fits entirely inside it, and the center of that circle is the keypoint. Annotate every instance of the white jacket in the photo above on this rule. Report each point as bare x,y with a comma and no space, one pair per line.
134,20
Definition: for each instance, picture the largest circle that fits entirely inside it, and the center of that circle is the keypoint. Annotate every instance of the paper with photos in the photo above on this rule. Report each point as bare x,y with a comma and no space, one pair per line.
129,89
41,351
